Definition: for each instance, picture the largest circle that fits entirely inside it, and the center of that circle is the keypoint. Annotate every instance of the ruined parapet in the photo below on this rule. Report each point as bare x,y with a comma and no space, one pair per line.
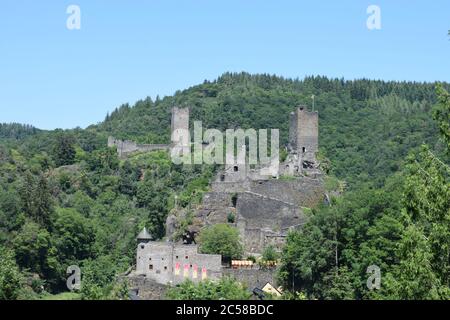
127,147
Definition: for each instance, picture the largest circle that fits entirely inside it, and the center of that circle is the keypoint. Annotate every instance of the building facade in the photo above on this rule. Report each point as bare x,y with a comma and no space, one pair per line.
170,263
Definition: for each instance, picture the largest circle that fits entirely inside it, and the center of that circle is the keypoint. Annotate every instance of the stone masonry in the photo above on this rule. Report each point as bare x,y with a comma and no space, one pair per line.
170,263
266,207
179,138
127,147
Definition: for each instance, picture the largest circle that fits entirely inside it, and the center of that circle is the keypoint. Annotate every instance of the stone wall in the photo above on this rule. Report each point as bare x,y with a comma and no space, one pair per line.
215,208
261,212
180,119
264,210
302,191
230,187
263,221
146,288
127,147
179,136
252,278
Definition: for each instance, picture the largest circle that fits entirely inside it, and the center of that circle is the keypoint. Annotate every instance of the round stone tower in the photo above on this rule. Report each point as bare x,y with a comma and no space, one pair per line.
144,236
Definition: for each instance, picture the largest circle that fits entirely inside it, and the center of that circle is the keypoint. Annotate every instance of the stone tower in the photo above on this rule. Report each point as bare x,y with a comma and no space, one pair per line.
180,137
144,236
304,134
180,119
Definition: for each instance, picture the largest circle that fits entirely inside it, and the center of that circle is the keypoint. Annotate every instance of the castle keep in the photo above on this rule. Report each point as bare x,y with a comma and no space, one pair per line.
303,141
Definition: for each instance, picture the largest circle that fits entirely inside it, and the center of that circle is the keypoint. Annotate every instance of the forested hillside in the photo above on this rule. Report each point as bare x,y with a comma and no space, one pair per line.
65,198
16,131
366,127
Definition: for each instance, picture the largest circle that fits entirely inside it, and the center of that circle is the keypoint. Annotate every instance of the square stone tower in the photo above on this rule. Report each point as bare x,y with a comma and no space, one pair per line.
180,119
180,137
304,134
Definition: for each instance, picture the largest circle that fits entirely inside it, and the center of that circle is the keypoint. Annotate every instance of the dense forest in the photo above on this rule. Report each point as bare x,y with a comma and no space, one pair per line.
66,199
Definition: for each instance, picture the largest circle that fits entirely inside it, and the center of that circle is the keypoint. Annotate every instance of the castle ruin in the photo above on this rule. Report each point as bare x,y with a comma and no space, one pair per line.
266,206
127,147
180,140
303,142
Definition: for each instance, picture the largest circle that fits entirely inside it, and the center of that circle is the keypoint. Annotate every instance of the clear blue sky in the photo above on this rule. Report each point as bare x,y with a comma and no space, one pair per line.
53,77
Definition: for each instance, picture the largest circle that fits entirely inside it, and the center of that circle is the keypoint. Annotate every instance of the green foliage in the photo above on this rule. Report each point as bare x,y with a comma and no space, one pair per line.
16,131
98,280
338,284
75,235
88,213
32,246
61,296
64,152
333,184
403,227
397,115
413,278
11,280
231,217
36,199
345,235
221,239
270,254
224,289
441,114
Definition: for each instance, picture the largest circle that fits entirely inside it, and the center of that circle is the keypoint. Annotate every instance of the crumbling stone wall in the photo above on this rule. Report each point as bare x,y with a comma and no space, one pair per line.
127,147
180,130
146,288
253,278
302,191
260,212
264,210
263,221
215,208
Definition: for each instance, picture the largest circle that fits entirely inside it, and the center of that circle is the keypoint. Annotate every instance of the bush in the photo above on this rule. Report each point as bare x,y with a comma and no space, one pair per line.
11,280
224,289
221,239
270,254
231,218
